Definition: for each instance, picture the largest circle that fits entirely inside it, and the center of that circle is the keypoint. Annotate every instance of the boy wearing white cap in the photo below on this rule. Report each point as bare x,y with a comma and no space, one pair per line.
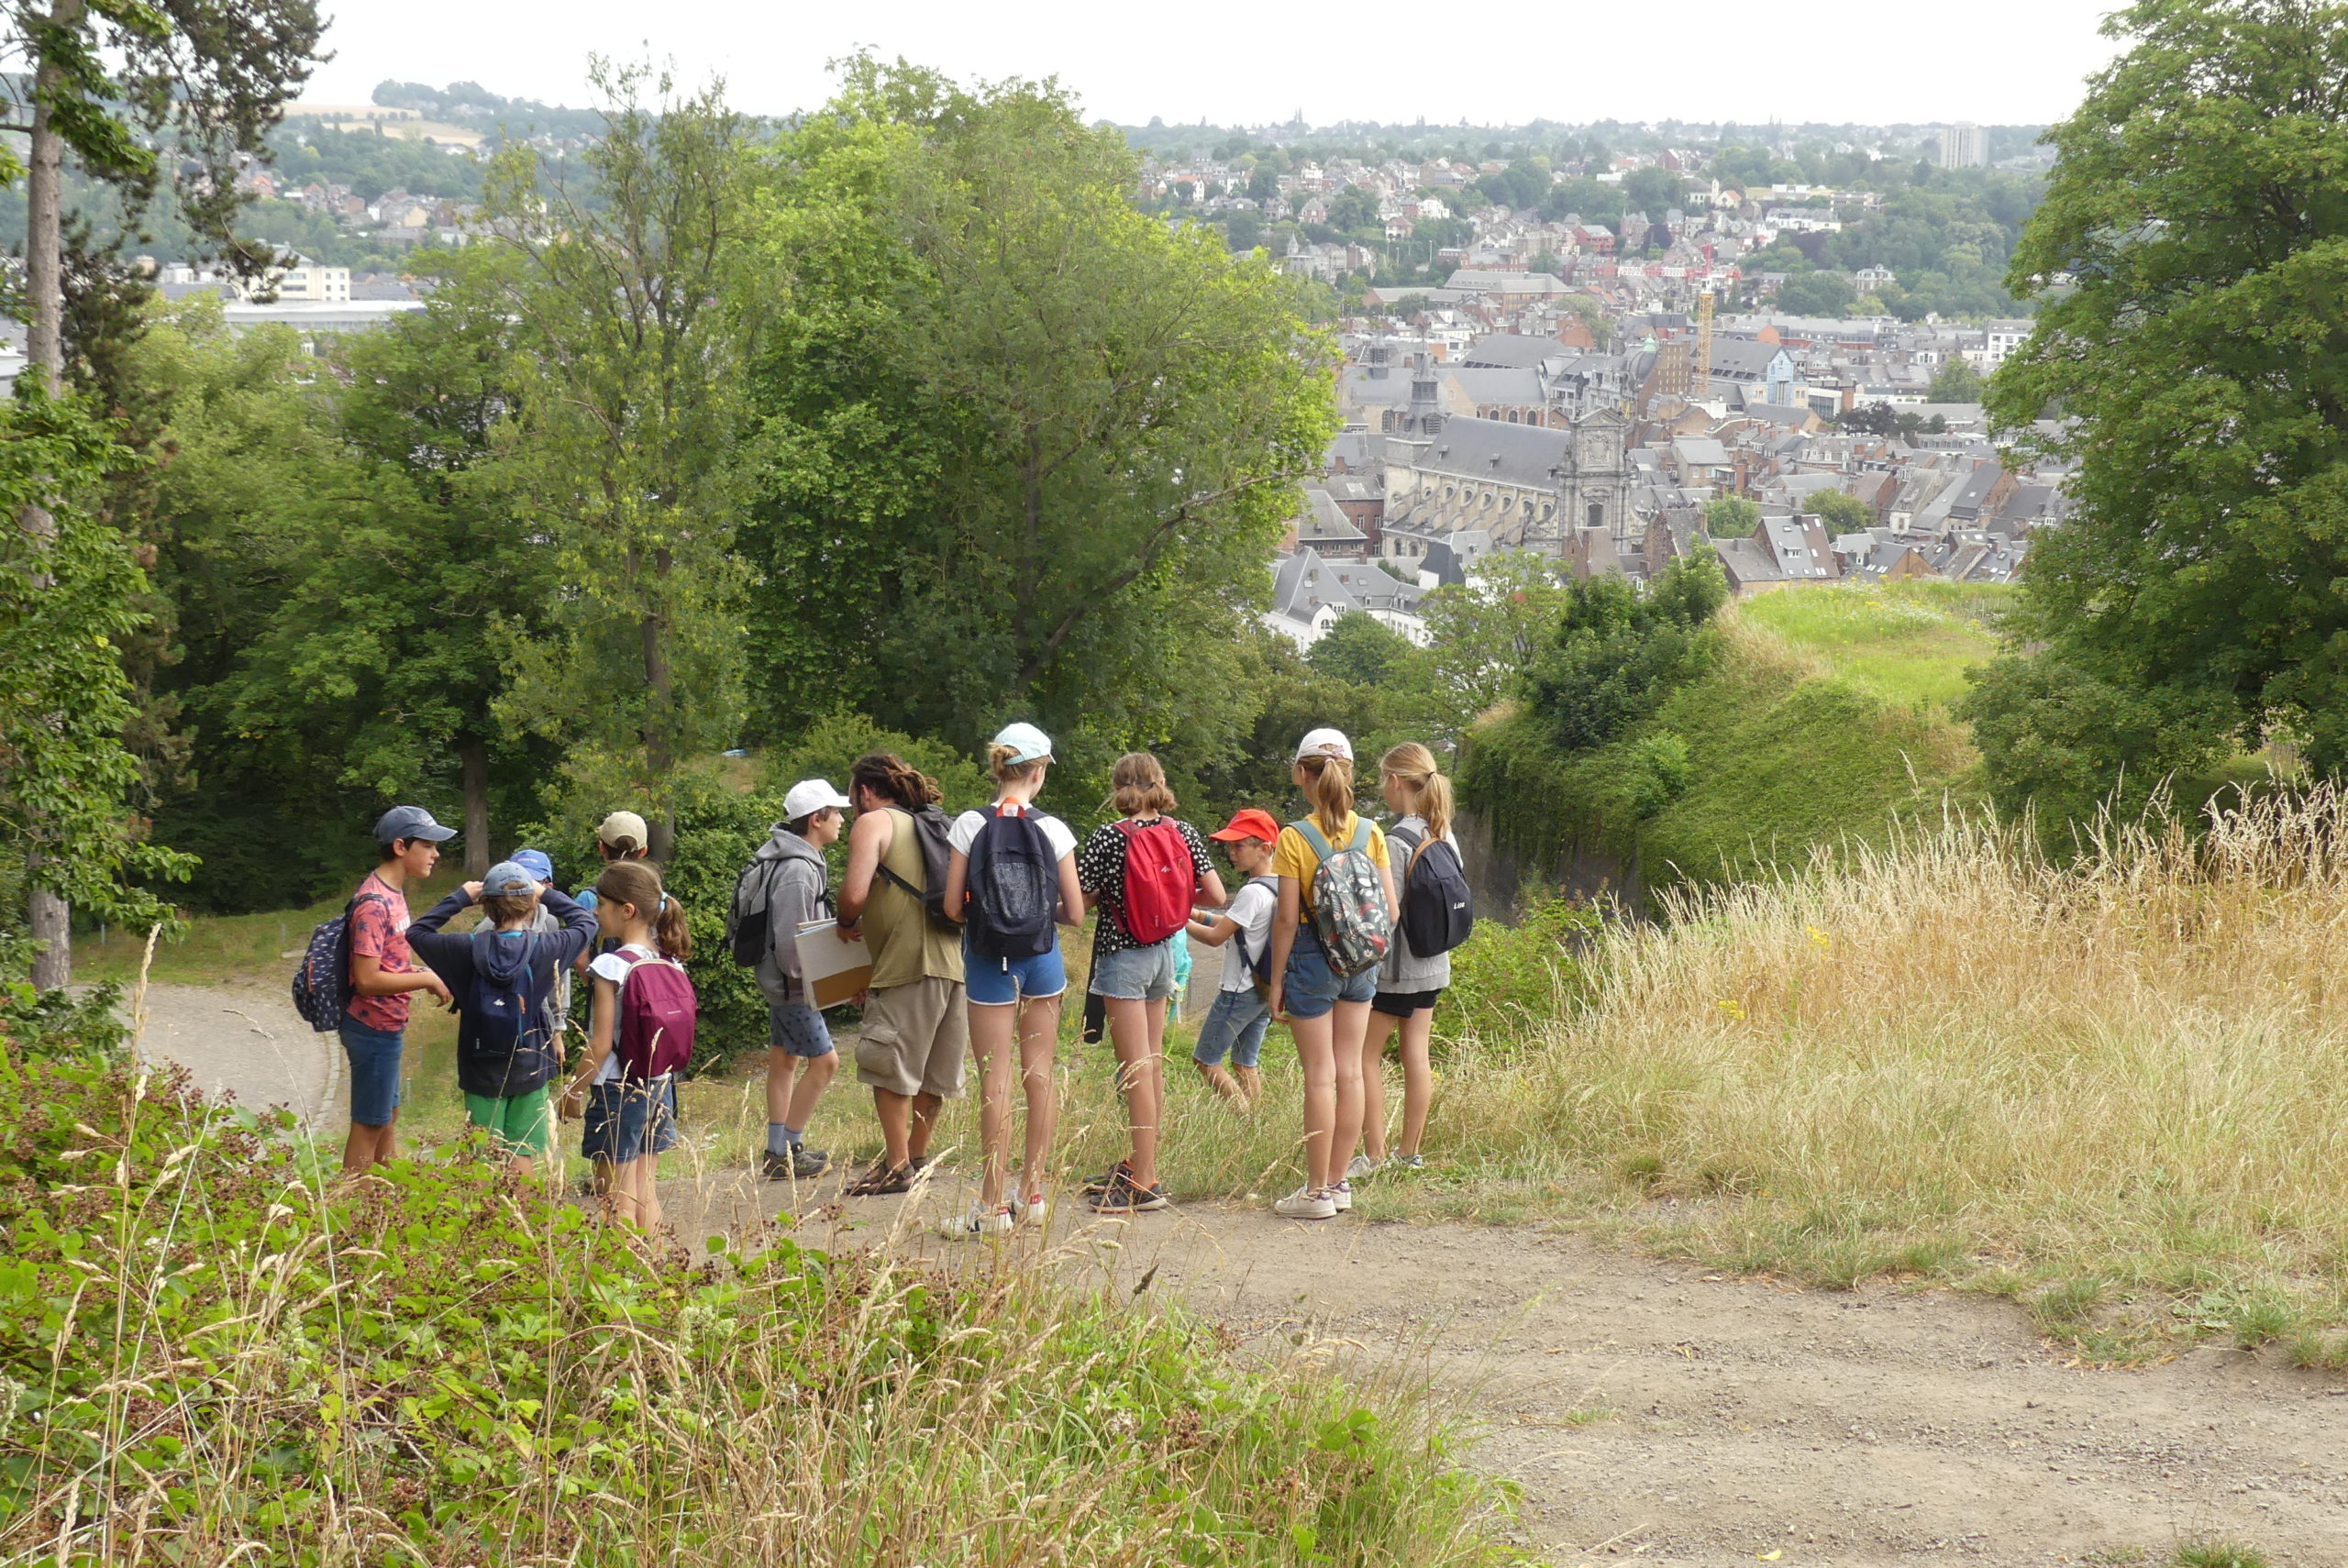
791,880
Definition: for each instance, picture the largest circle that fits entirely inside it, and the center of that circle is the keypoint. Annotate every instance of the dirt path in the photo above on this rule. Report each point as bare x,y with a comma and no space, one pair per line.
250,1042
1649,1411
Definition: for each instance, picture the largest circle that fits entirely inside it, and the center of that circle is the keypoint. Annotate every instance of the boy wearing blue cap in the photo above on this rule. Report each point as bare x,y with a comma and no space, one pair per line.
384,973
502,973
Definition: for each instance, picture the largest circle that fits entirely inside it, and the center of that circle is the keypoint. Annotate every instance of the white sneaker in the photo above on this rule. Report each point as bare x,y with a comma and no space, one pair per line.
1363,1166
1342,1195
1306,1204
981,1222
1034,1209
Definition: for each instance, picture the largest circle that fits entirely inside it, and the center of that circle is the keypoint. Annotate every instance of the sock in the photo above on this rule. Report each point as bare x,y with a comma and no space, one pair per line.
780,1138
796,1134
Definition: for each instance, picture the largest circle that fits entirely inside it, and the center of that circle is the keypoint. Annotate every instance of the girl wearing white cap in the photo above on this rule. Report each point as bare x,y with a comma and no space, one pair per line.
1327,1011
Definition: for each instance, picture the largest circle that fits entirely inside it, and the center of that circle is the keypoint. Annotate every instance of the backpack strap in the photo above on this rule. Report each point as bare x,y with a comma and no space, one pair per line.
1314,837
881,865
1416,843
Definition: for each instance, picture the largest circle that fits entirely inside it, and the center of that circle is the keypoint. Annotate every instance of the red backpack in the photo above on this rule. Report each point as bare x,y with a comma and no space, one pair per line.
1160,878
656,1014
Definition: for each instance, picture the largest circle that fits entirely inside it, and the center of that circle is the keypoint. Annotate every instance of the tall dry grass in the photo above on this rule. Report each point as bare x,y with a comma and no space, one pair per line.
1951,1052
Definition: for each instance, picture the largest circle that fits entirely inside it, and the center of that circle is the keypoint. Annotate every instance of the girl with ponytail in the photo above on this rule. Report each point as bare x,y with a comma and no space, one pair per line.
1327,1013
1408,983
630,1122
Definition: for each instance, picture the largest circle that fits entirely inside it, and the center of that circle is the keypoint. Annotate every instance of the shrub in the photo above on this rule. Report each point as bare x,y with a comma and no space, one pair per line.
209,1354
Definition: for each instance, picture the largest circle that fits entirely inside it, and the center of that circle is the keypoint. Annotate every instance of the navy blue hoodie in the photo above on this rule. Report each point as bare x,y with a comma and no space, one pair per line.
536,958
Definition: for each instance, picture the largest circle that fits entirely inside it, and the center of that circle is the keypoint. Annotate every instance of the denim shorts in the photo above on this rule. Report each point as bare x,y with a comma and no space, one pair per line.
374,1072
629,1119
999,982
1235,1024
798,1028
1137,973
1309,988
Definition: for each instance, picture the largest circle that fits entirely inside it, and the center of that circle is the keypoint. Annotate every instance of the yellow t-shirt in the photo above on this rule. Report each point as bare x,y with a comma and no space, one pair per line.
1293,856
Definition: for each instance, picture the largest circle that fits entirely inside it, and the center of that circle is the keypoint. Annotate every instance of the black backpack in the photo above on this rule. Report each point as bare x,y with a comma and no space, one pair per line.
1259,964
748,927
1013,886
930,825
1438,911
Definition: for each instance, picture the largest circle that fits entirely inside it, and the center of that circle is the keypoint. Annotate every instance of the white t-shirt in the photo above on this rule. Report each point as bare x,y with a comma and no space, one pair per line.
1252,909
965,831
613,968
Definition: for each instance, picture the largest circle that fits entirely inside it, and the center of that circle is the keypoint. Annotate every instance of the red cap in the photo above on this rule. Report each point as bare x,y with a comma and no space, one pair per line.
1250,824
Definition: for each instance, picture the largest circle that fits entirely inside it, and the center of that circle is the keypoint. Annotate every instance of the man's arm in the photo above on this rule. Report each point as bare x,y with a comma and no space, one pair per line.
866,842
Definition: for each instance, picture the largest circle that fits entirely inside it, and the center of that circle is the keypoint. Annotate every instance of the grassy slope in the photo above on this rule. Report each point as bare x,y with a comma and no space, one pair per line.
1911,642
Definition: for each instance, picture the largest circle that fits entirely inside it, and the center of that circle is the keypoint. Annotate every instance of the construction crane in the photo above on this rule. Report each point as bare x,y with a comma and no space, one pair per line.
1701,382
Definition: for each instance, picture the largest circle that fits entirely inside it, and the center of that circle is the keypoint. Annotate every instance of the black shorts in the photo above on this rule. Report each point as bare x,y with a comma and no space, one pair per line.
1403,1004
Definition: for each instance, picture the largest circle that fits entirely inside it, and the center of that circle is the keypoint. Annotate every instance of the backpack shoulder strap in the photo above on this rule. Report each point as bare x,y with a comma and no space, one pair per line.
1314,837
1361,832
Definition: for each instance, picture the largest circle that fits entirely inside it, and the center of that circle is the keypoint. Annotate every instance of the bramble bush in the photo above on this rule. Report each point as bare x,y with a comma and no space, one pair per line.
208,1354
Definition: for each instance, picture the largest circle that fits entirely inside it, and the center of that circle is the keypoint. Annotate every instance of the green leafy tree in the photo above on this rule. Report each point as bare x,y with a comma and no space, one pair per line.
1620,651
1842,511
1024,446
1483,635
1956,381
1732,517
1652,191
1361,648
1817,294
2197,209
631,326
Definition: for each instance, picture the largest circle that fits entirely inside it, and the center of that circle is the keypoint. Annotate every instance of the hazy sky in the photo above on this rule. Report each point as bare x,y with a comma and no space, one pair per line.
1830,61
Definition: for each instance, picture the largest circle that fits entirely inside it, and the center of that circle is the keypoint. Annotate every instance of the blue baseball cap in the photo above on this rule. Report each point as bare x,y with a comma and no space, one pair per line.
1027,743
509,879
536,863
410,821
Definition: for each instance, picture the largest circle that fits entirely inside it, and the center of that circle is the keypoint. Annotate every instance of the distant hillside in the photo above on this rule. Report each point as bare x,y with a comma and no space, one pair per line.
1824,720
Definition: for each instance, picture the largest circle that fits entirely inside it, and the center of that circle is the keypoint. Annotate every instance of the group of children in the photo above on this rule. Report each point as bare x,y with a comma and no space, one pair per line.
962,921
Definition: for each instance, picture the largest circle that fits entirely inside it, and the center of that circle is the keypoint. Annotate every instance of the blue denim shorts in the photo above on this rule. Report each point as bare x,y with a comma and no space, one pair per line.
798,1028
1309,988
1236,1025
627,1119
374,1056
1137,973
999,982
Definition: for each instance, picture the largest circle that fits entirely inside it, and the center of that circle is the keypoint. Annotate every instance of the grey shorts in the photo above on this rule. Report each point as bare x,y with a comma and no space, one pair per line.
1137,973
916,1039
799,1029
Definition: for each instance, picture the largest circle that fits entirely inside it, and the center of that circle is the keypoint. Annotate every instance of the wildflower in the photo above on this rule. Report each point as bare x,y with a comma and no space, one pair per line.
1735,1011
1816,936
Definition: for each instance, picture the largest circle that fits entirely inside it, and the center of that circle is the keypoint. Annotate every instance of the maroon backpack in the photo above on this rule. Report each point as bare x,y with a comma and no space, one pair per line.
1160,878
656,1014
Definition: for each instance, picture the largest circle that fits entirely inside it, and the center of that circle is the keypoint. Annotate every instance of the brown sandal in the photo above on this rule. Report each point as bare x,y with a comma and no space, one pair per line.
882,1181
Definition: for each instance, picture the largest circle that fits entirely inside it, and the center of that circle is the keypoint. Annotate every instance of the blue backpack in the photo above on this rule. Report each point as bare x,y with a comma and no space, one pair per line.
498,1011
322,989
1011,888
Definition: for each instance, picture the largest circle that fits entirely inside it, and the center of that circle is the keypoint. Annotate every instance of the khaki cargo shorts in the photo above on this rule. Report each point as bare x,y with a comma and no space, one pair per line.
916,1038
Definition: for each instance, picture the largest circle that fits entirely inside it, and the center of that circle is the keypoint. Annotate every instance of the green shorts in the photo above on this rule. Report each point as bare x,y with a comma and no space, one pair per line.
521,1123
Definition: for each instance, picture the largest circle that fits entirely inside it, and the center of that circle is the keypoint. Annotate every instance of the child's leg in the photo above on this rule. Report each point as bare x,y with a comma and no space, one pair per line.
1418,1078
604,1179
990,1027
1217,1034
1039,1028
1373,1083
1314,1054
1349,1022
814,1077
1129,1031
781,1066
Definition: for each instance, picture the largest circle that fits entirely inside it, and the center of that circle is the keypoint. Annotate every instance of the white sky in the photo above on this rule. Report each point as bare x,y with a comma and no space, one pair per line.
1866,61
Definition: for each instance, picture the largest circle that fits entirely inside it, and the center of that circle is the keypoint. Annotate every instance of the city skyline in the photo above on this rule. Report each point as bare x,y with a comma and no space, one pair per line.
1847,62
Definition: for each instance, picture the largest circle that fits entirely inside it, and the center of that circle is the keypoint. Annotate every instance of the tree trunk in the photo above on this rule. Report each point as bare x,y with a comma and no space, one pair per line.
659,753
50,918
473,753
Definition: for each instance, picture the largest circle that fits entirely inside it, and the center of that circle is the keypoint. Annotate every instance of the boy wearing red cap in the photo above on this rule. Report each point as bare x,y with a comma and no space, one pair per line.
1235,1026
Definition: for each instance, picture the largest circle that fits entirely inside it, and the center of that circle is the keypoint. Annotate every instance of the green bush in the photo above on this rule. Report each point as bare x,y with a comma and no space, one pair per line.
211,1353
1509,981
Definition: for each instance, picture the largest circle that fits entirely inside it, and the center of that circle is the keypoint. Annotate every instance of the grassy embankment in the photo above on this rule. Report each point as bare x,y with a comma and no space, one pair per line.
211,1353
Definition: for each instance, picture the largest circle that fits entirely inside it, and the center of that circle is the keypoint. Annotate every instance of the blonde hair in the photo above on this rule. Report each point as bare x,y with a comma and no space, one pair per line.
638,885
1430,791
1328,785
1137,786
1006,771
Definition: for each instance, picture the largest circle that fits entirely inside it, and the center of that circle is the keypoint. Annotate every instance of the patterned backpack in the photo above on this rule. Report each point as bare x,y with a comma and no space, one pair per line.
1349,912
322,988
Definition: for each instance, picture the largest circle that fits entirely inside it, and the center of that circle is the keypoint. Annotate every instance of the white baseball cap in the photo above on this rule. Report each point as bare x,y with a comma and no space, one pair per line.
1324,743
809,796
623,827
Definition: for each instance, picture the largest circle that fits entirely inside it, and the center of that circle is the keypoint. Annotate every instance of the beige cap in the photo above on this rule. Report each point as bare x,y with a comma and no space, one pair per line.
625,825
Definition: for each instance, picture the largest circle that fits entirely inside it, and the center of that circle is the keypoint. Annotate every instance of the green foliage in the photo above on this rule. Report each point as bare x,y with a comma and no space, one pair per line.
2058,740
1509,981
192,1315
1361,648
68,602
1732,517
1618,651
1484,635
2197,212
1817,294
1956,381
1912,642
1842,511
52,1025
1024,449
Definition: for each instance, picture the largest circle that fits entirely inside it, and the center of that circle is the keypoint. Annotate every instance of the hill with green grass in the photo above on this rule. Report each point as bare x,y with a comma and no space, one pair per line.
1821,718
